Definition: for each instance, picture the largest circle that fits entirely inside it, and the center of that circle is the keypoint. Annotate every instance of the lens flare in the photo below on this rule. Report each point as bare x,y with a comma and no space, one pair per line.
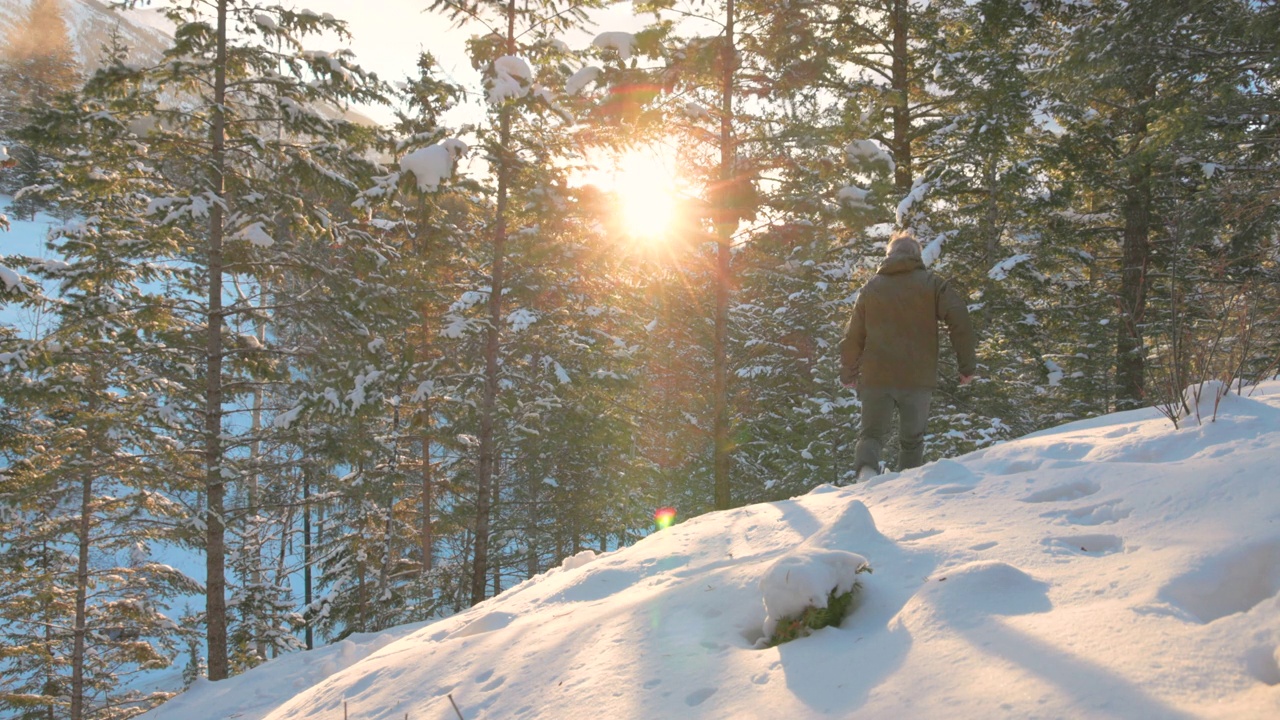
664,517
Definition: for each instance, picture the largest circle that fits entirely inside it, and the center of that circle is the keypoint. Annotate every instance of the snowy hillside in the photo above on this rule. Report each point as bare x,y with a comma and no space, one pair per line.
1115,568
91,24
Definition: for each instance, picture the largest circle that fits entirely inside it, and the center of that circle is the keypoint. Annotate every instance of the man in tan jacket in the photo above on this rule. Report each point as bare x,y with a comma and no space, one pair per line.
889,353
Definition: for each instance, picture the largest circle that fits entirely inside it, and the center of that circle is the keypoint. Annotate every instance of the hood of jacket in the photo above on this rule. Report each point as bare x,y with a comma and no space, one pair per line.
897,264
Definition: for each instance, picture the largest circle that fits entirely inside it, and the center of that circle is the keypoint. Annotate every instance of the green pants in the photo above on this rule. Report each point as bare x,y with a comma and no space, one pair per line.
878,405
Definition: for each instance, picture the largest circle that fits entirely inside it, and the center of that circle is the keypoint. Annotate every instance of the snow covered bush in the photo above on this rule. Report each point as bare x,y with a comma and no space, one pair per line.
805,591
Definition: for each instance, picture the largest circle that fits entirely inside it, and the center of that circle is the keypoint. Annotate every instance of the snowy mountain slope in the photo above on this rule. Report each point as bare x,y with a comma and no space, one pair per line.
1114,568
90,24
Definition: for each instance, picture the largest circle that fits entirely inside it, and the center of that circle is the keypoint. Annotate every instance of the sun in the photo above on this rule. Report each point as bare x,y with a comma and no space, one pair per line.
645,188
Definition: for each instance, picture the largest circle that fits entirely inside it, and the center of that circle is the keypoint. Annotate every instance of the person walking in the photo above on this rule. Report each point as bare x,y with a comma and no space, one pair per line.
889,353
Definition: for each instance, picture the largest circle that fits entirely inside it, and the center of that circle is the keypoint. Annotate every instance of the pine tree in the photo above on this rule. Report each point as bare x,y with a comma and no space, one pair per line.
87,494
516,35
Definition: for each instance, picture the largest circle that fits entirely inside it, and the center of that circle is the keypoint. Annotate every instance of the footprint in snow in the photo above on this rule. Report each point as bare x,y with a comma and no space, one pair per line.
1096,545
1108,512
946,472
485,623
697,697
1067,491
1013,467
494,685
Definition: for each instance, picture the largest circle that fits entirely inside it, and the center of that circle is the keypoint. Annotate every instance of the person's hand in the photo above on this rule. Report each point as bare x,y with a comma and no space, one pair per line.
966,379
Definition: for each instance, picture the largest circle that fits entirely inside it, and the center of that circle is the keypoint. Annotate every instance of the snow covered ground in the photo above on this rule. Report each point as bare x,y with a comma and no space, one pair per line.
1112,568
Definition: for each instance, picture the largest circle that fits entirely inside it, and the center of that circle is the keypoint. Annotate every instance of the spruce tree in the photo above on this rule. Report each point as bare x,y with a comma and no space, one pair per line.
515,35
89,494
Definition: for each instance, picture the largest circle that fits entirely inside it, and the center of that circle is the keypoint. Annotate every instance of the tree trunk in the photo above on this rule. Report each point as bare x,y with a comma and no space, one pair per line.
283,572
901,80
82,590
306,551
1136,254
496,567
428,482
215,489
727,222
990,226
489,401
362,589
428,502
252,544
51,686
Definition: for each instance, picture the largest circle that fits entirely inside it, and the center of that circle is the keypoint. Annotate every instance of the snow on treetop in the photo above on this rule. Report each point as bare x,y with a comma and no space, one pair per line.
697,111
578,81
10,278
257,235
621,42
853,196
434,163
513,66
918,191
521,319
933,249
511,79
869,153
327,17
1002,268
266,22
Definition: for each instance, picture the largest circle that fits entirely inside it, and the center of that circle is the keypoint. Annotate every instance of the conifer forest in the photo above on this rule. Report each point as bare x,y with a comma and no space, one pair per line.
286,374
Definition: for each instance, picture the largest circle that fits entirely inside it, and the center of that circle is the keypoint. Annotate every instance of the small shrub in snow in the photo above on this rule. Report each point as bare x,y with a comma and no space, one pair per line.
805,591
815,618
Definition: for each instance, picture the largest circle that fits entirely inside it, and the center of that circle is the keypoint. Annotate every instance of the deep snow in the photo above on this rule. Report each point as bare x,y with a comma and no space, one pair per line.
1116,567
